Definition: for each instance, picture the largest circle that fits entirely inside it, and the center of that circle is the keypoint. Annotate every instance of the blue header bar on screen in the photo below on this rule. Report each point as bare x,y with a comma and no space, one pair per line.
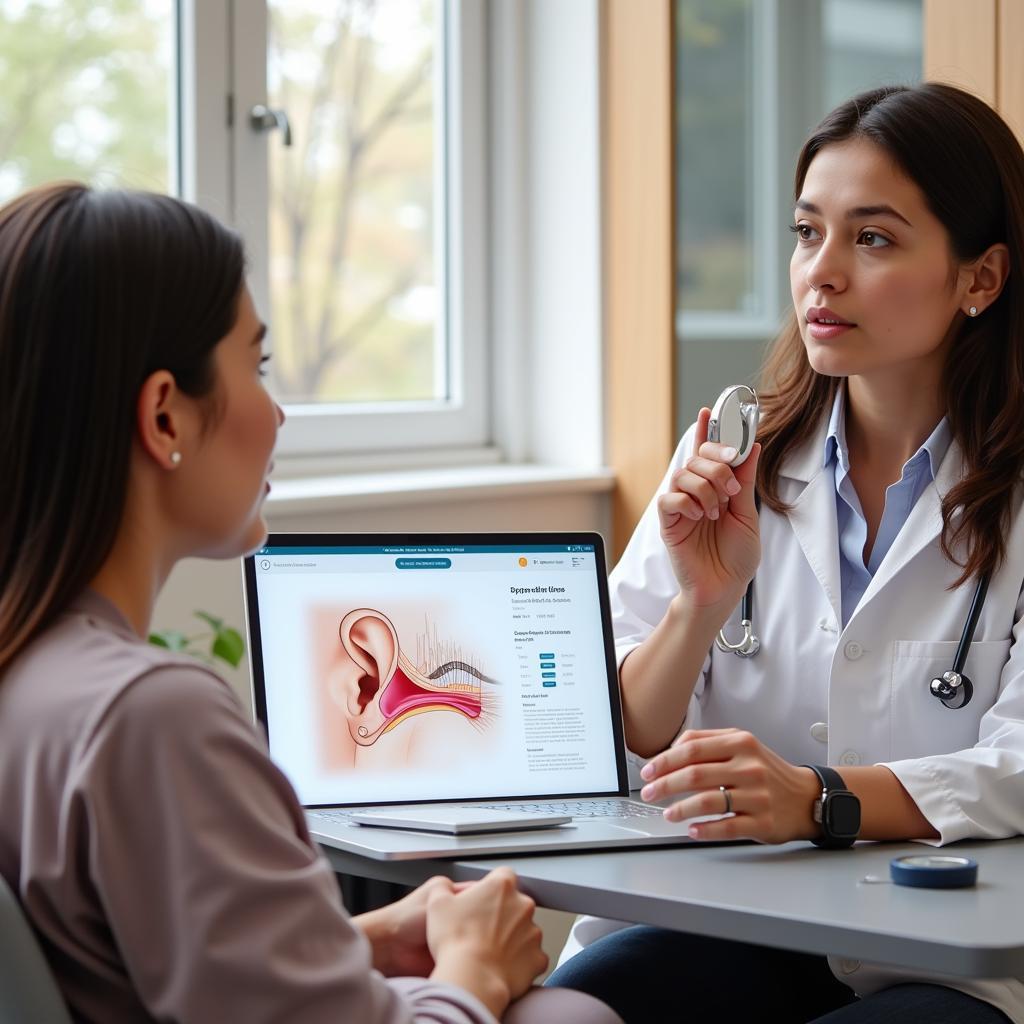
473,549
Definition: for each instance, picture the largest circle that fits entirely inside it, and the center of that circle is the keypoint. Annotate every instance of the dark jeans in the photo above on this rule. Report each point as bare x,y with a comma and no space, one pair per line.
649,975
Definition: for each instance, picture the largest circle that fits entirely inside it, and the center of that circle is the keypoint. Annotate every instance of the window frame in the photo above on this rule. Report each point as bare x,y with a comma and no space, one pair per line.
764,185
222,56
786,44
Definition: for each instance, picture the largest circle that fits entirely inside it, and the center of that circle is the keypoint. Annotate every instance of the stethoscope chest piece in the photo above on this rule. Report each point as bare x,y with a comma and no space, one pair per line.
954,689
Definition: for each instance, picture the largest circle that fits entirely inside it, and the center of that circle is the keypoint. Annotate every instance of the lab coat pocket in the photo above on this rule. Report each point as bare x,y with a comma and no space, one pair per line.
921,724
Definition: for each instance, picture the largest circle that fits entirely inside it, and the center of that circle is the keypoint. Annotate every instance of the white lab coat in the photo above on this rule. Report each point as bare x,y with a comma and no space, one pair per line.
819,693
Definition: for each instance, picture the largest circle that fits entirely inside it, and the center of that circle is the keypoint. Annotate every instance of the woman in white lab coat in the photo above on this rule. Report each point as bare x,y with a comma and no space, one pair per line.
889,470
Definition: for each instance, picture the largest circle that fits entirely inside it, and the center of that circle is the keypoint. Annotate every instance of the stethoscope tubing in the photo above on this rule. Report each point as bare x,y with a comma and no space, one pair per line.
967,637
953,688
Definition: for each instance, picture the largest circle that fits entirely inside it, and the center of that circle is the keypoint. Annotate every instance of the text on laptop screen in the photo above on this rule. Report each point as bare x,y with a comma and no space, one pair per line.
438,672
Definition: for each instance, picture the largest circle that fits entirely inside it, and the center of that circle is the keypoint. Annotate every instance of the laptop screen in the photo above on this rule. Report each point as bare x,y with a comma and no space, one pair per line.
427,668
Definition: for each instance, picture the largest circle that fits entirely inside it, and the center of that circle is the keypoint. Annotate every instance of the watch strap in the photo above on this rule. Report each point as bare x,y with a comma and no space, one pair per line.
829,778
831,782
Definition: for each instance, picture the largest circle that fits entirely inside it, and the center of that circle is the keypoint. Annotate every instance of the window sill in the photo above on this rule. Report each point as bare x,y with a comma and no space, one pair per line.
314,494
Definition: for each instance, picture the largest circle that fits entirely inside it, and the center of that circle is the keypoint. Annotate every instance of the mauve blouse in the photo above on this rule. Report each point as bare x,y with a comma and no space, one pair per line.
162,859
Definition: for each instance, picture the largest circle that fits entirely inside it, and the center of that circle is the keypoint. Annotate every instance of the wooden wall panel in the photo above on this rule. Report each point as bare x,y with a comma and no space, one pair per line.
639,257
1010,61
960,45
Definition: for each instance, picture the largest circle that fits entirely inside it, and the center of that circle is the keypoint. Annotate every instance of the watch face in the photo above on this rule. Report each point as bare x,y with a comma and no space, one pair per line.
842,814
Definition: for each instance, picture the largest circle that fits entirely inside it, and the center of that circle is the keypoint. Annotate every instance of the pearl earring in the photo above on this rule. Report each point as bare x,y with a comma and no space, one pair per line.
973,311
175,458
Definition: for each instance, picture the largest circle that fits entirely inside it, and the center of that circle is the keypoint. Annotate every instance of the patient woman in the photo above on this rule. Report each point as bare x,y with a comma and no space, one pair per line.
162,860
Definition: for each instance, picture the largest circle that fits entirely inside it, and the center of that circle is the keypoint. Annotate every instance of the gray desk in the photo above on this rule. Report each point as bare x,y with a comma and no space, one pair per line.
791,896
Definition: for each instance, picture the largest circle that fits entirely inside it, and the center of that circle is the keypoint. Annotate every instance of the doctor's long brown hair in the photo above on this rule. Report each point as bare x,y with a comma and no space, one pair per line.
970,168
97,291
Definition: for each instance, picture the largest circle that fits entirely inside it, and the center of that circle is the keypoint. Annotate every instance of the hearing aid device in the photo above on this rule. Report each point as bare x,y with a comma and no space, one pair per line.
734,421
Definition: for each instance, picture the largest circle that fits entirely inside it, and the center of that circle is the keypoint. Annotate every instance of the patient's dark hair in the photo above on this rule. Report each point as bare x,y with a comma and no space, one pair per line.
97,291
969,166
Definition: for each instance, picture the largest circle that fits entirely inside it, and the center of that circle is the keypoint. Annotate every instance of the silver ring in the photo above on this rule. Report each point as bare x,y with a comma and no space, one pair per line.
728,799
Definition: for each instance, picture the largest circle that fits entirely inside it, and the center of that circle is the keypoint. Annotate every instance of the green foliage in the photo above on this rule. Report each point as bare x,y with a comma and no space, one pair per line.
220,641
85,89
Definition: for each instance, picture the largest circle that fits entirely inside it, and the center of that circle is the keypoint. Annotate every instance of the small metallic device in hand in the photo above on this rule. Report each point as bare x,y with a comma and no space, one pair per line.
734,421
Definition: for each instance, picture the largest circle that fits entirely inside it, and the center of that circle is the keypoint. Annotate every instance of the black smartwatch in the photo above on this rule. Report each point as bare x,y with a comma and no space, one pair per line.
837,810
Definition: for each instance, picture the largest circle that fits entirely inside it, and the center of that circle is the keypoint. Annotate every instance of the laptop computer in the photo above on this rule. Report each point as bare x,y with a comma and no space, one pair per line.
419,671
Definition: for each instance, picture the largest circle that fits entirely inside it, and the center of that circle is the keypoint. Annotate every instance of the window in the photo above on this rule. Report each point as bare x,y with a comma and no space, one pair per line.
87,92
360,195
356,284
715,124
752,78
366,233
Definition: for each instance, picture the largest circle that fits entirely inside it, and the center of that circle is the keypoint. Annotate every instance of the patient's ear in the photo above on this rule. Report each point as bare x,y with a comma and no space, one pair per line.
370,642
165,419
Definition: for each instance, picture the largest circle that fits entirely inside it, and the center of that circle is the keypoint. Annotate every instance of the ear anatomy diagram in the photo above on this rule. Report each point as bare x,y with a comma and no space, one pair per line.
387,688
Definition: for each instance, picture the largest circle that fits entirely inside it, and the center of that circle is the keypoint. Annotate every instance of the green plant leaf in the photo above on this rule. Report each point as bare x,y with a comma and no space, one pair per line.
173,639
211,620
228,645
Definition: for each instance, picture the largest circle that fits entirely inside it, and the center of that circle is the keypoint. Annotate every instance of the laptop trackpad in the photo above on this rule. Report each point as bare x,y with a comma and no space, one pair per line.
456,820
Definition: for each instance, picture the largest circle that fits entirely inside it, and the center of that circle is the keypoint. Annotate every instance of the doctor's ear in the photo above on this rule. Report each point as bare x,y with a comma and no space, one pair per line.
984,278
165,420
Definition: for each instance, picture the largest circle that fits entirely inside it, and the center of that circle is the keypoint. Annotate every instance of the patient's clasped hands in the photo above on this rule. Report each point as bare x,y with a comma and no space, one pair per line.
478,935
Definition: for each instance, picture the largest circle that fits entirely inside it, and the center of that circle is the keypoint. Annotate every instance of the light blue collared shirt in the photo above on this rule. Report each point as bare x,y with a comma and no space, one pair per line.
900,497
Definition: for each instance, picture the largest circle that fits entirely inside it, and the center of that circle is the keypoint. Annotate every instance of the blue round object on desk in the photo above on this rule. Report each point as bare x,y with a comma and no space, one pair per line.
934,871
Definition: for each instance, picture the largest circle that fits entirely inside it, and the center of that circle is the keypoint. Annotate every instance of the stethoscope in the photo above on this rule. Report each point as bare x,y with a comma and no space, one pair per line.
953,688
734,421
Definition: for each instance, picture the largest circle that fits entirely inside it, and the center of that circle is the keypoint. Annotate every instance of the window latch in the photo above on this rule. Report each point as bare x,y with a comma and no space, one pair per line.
265,119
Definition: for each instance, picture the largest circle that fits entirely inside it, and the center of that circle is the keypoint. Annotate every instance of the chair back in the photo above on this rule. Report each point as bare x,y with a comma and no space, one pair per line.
28,991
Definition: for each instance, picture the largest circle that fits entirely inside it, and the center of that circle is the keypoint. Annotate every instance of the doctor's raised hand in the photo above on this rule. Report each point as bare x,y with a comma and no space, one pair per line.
709,527
709,523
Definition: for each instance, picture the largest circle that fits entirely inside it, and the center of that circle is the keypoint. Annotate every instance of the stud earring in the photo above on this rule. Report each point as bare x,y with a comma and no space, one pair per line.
973,311
175,458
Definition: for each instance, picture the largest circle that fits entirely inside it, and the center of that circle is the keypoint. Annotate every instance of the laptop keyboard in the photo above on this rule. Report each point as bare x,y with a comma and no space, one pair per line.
583,808
575,808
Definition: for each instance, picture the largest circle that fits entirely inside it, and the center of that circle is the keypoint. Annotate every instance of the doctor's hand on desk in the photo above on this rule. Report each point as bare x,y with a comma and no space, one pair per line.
709,522
770,798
